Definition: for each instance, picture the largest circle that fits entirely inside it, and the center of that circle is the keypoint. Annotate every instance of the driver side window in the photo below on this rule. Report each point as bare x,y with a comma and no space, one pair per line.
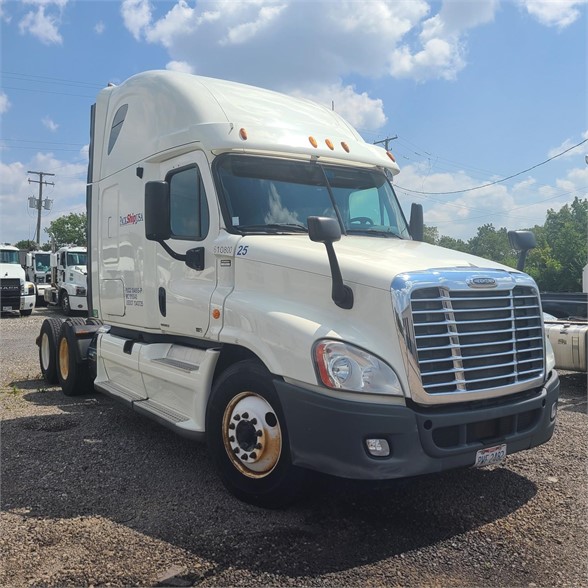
366,204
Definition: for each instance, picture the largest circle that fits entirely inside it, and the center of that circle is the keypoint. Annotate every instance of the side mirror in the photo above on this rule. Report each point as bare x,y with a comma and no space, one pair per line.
29,260
416,225
157,217
53,260
322,229
522,241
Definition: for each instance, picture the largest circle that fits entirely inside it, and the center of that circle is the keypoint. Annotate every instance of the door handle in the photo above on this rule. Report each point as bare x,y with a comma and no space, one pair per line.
162,302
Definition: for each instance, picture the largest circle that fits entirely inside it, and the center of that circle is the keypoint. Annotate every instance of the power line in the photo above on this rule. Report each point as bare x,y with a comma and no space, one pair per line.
496,181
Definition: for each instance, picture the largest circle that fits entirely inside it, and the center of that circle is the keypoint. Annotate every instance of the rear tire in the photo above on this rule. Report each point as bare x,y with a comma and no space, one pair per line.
248,439
48,349
73,376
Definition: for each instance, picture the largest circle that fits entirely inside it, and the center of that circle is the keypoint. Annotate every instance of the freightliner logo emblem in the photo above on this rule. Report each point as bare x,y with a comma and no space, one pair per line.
481,282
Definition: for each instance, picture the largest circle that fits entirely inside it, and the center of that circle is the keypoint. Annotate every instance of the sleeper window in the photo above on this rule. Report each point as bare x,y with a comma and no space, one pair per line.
188,206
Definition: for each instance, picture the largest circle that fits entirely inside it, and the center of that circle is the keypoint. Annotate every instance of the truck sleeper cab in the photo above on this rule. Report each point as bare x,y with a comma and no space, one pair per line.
254,283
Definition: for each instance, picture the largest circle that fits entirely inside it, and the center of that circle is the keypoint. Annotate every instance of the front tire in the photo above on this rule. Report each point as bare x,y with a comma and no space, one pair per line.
248,439
65,303
73,376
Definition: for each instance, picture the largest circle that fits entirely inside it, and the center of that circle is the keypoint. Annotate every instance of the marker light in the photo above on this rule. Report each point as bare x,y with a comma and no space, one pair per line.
345,146
216,313
313,141
243,134
329,144
391,156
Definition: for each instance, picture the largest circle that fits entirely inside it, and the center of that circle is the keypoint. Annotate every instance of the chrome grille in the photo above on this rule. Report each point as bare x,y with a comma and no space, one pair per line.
10,293
475,340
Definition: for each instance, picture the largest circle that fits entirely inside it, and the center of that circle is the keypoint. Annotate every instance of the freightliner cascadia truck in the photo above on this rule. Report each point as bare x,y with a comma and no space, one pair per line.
254,283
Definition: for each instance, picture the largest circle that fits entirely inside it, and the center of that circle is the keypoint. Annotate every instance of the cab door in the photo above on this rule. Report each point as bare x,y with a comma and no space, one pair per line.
183,294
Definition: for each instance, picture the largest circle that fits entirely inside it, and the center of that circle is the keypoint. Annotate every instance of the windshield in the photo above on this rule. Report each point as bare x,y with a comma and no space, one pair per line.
42,262
9,256
76,258
267,195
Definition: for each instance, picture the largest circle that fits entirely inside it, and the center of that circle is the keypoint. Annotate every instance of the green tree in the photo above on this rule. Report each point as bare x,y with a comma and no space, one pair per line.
492,244
430,235
27,245
562,248
68,230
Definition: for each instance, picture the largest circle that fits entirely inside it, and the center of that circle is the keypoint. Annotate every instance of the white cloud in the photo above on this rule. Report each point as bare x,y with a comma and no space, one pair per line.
43,23
99,28
360,110
50,124
554,13
569,144
296,46
136,16
517,206
4,103
181,66
441,53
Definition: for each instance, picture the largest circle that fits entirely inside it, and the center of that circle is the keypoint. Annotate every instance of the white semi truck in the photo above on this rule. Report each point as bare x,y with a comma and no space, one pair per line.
16,294
37,267
69,280
254,283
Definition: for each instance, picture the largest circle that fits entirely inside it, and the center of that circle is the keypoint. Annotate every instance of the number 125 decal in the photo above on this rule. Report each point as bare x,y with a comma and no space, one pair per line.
242,250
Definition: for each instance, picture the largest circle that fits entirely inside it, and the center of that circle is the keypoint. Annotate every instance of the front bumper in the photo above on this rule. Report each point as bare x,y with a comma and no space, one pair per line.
328,435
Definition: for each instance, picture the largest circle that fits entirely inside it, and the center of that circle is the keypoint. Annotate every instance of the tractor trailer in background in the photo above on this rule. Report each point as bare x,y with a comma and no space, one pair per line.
16,293
37,267
253,282
68,288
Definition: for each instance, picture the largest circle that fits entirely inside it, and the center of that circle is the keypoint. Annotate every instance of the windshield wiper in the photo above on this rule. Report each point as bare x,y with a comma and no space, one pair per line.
374,232
274,228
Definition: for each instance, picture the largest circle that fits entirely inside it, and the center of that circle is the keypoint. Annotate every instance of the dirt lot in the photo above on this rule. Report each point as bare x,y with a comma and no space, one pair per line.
94,495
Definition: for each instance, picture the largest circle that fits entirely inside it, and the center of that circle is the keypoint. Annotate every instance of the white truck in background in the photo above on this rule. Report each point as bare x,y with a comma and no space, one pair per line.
254,283
69,280
16,293
37,267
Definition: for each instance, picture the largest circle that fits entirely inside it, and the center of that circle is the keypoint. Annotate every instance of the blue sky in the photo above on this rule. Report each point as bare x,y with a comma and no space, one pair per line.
474,90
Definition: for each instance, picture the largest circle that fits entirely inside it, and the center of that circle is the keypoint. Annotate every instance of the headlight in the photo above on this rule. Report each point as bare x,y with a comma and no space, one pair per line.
346,367
31,289
80,291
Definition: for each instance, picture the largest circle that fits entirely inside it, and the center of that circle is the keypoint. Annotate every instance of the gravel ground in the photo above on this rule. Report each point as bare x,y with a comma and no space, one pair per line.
95,495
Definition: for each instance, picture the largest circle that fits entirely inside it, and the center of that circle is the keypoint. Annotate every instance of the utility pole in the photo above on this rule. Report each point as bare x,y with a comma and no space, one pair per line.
39,203
386,141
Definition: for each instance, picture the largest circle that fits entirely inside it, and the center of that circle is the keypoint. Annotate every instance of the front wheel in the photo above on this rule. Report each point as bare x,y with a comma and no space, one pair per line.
247,436
65,303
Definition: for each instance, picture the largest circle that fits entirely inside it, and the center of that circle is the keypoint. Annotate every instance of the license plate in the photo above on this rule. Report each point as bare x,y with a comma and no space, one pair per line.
490,455
6,308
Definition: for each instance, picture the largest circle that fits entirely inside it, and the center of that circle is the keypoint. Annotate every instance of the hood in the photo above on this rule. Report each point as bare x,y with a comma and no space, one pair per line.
82,269
371,261
11,270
